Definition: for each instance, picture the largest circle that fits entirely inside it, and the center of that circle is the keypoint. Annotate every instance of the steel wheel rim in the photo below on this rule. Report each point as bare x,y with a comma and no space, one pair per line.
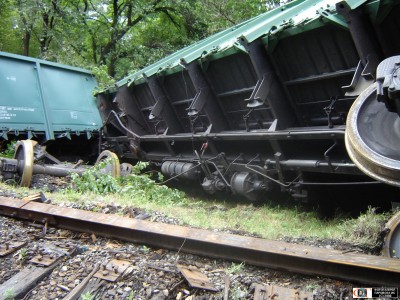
391,246
113,167
24,152
372,161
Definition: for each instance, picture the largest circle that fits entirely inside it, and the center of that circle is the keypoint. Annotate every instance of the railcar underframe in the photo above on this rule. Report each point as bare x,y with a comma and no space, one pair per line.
270,110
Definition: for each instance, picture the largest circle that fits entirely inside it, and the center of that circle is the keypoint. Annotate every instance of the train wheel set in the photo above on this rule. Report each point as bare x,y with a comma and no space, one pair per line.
26,163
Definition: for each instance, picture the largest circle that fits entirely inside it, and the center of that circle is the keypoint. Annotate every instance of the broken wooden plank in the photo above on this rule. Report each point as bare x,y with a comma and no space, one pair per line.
226,289
196,279
22,282
267,292
38,197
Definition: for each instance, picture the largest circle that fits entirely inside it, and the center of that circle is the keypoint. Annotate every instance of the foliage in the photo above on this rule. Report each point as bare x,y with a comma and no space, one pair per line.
104,80
227,13
9,151
135,186
145,249
235,268
115,36
366,229
9,294
23,255
237,293
87,296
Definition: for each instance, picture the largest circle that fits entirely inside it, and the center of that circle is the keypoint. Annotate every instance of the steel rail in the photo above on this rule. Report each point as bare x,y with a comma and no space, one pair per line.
367,269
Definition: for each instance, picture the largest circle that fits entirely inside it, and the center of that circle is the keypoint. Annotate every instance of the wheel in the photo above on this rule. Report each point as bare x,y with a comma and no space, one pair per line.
113,167
24,155
391,246
373,138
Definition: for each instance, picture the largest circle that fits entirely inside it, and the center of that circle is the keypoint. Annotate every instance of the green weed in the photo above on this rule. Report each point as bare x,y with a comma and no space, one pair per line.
235,268
23,254
87,296
237,293
145,249
131,295
9,151
9,295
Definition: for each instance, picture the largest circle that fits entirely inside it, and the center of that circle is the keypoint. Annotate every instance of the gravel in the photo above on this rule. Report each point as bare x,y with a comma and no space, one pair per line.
152,273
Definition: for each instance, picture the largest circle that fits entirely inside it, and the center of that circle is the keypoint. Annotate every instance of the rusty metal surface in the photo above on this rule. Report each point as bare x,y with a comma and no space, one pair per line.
10,247
273,254
113,270
196,278
267,292
44,260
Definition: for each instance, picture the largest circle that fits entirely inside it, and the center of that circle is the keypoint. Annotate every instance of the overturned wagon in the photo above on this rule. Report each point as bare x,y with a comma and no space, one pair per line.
266,105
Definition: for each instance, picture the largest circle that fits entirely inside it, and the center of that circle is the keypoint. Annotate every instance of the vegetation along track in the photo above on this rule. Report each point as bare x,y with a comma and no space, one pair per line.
361,268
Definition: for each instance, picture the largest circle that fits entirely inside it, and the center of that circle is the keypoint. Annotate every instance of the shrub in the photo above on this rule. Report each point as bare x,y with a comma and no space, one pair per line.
137,185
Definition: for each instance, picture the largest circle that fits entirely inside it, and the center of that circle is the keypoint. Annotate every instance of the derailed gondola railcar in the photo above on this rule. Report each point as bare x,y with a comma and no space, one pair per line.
266,105
50,103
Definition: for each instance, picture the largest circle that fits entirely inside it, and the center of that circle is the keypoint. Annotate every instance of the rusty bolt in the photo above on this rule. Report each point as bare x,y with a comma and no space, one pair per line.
7,246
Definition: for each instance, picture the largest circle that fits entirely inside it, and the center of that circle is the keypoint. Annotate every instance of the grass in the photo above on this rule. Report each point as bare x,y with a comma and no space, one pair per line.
366,229
267,221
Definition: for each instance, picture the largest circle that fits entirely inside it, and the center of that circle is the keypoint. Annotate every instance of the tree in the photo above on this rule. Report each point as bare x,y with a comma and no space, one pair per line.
123,35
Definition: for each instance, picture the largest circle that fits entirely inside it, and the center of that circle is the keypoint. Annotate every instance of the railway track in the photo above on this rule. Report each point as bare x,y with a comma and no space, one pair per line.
364,269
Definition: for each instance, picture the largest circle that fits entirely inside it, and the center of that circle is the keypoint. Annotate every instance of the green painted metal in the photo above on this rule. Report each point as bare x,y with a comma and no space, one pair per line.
337,19
353,4
41,97
49,127
300,15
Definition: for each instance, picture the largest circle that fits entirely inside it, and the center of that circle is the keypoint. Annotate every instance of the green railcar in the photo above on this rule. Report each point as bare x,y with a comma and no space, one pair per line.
45,100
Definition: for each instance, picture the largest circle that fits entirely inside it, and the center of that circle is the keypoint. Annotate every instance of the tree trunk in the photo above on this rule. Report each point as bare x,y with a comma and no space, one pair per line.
112,64
27,41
